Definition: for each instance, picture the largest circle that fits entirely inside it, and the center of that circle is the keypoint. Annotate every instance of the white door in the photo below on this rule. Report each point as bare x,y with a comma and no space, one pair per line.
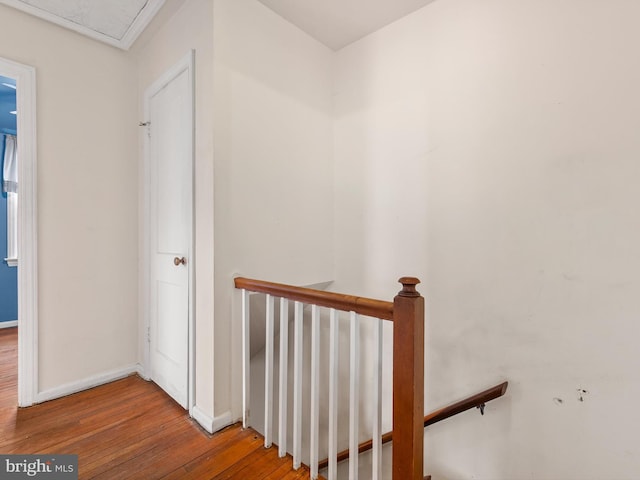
170,149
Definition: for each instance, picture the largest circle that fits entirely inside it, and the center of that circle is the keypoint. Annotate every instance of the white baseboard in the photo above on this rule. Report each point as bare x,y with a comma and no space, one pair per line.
202,418
9,324
222,421
140,370
87,383
211,424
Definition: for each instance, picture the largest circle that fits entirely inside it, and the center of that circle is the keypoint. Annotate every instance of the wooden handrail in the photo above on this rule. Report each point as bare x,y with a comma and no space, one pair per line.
476,400
436,416
407,314
347,303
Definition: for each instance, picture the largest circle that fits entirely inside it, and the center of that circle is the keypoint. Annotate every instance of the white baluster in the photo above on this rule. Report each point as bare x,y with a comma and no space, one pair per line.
315,390
297,385
333,394
354,390
376,463
268,375
284,357
245,357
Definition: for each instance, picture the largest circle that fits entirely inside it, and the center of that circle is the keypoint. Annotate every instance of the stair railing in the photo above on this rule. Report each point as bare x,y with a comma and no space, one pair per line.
475,401
407,314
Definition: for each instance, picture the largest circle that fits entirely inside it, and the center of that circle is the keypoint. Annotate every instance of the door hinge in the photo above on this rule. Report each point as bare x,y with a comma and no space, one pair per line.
148,334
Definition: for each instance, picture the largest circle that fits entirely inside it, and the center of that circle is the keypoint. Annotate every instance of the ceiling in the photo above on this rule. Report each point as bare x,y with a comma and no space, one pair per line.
116,22
335,23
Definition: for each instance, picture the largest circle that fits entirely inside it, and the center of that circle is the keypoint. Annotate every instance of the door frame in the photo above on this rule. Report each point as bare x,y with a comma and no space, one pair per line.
25,77
185,64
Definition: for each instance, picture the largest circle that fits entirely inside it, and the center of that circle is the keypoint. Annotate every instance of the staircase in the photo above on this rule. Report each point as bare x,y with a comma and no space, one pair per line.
367,320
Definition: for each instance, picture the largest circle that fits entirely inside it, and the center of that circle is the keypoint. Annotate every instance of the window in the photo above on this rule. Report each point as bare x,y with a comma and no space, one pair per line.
10,186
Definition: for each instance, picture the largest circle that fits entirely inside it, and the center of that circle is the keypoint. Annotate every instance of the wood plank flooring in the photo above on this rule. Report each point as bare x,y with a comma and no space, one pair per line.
129,429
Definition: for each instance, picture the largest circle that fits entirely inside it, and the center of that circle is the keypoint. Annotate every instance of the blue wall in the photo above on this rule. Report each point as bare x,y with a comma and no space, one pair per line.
8,275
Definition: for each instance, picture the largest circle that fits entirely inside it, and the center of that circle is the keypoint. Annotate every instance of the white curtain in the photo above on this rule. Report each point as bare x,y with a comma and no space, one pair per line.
10,185
10,170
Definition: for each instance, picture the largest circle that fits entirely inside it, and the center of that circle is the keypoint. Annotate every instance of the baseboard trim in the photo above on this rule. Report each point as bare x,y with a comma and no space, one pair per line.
87,383
211,424
9,324
222,421
202,418
140,370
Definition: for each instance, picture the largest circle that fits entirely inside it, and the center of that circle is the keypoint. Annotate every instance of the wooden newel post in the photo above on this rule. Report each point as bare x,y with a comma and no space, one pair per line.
408,382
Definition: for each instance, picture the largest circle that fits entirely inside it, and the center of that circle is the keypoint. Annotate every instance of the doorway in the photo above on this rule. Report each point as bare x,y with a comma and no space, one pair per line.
168,238
27,261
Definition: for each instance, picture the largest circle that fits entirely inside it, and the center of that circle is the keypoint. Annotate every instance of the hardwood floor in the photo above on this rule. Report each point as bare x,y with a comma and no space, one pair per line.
129,429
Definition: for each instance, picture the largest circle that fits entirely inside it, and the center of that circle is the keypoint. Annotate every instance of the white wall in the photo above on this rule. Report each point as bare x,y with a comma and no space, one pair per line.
273,166
263,117
190,26
87,190
491,149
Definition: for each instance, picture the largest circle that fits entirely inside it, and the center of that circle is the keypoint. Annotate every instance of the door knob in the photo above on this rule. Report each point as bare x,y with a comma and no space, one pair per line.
179,261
